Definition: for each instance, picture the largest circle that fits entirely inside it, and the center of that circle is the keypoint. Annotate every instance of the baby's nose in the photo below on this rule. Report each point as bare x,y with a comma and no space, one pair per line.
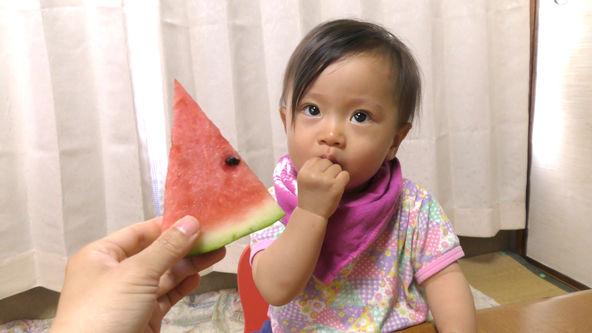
332,137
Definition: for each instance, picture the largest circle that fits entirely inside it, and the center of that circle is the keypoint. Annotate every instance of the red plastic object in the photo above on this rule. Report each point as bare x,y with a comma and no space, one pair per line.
254,306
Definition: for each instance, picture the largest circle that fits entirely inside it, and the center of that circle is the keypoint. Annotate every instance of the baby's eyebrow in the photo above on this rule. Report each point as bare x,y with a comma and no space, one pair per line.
351,100
367,101
314,95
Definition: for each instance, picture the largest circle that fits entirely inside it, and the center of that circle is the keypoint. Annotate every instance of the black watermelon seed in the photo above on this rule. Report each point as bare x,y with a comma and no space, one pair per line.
232,161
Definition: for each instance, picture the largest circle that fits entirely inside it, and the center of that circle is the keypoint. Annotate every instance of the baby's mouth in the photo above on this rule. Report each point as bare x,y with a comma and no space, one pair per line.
330,158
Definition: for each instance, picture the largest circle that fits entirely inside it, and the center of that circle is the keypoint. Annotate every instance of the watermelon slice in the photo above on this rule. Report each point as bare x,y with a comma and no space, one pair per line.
208,179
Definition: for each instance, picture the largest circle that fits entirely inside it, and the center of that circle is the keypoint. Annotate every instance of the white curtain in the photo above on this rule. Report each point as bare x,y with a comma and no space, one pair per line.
71,167
86,93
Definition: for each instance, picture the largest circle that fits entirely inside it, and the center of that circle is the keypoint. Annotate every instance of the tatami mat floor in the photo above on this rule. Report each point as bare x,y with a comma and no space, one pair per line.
507,279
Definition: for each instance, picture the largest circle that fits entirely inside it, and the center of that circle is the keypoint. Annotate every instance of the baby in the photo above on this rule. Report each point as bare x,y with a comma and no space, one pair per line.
360,249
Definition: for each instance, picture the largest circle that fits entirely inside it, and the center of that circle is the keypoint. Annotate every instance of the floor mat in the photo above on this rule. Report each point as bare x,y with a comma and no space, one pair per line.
216,311
507,280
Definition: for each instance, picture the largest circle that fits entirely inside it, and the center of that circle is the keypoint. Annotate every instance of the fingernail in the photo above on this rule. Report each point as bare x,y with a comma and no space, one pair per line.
188,225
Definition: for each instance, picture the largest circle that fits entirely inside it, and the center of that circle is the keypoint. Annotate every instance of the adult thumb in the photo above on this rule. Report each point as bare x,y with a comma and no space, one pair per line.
171,246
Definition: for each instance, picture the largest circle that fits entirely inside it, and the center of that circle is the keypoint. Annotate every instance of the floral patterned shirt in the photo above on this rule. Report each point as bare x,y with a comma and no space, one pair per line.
380,289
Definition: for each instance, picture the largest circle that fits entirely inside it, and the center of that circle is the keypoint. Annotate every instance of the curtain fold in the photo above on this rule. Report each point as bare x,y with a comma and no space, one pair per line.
77,157
70,156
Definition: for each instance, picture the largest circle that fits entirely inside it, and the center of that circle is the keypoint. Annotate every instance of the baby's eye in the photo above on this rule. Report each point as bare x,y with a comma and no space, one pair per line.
360,117
311,110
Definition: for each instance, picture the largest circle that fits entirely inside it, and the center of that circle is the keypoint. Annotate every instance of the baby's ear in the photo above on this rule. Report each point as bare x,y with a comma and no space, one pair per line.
283,116
400,135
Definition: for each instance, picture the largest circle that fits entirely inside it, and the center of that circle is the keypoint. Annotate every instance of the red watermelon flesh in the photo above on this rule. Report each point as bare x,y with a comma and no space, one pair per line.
228,200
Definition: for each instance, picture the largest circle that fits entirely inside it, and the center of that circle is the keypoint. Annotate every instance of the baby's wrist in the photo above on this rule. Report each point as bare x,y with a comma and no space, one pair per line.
310,214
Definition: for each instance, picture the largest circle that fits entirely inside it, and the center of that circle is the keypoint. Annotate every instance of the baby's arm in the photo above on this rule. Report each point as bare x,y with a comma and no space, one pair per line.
450,300
282,270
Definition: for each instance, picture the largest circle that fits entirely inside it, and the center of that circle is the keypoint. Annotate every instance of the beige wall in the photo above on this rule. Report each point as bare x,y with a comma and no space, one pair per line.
560,215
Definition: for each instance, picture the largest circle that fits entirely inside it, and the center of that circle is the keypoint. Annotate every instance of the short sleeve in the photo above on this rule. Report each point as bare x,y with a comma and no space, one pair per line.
261,239
435,243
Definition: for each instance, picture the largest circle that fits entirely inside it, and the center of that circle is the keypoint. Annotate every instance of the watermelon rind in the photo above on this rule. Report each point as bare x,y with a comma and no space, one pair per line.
259,217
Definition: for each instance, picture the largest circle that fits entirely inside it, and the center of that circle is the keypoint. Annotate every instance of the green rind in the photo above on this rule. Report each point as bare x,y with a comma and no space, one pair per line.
262,216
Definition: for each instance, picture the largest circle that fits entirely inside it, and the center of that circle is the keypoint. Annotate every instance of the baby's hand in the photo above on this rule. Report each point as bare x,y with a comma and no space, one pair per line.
321,184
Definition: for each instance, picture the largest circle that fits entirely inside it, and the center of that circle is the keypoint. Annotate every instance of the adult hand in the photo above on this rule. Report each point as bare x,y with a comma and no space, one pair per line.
128,281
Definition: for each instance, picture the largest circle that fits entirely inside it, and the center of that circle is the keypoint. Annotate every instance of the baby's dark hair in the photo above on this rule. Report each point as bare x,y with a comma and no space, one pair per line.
334,40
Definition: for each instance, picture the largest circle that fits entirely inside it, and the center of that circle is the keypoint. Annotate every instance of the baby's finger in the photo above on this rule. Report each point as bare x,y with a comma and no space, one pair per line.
333,170
316,164
343,178
323,164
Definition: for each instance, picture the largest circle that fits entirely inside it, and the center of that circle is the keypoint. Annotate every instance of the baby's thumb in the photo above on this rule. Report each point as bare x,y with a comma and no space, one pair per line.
171,246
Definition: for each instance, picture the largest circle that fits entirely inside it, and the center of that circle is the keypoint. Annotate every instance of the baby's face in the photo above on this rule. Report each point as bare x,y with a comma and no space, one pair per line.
347,115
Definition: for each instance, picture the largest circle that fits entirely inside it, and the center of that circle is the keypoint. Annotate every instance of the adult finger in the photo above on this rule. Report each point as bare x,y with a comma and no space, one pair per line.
206,260
171,278
170,247
188,267
166,301
132,239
